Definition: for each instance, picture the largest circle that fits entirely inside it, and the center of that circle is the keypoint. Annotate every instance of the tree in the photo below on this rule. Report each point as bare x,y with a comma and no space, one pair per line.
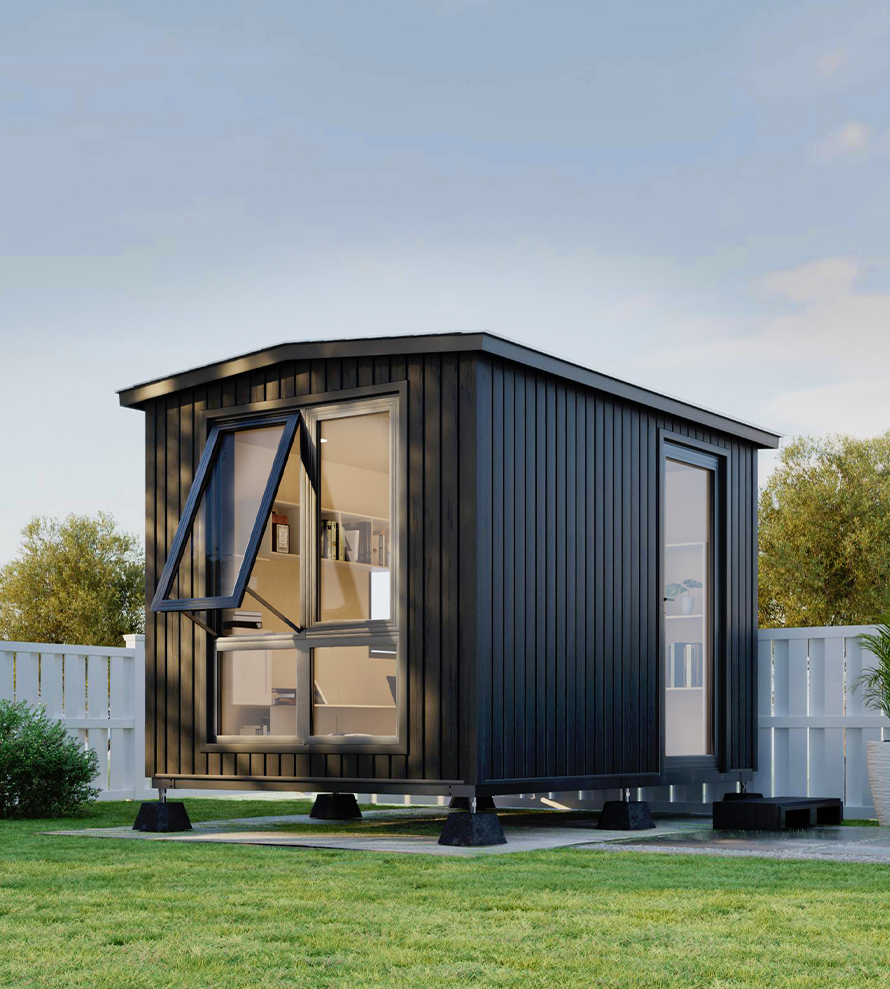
80,580
825,534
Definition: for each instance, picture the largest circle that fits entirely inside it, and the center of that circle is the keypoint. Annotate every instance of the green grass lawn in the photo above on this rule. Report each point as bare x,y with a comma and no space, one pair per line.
104,914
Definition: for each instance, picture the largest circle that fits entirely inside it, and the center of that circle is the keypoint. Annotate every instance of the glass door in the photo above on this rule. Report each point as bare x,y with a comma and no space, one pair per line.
689,571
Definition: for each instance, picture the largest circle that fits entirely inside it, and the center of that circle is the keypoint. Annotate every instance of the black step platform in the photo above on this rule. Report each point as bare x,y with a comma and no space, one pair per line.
758,813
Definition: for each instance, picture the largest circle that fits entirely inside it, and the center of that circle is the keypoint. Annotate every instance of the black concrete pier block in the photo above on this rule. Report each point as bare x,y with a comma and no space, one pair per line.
467,830
463,803
335,807
162,817
625,815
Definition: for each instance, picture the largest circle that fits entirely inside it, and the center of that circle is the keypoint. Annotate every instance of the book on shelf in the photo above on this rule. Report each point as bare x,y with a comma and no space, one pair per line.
324,539
332,544
354,542
380,548
280,533
685,665
364,541
351,544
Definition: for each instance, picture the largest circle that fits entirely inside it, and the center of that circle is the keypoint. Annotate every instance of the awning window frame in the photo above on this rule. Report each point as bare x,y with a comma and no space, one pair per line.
291,421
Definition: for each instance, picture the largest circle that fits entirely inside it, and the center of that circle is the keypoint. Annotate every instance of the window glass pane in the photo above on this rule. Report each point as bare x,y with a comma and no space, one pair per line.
354,690
258,692
274,582
687,556
214,552
355,535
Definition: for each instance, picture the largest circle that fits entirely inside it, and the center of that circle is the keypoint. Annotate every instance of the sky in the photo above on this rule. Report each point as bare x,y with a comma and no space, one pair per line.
688,195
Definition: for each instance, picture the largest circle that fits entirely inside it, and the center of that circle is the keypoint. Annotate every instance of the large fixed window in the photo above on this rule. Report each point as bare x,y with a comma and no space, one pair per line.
355,690
355,535
689,548
287,555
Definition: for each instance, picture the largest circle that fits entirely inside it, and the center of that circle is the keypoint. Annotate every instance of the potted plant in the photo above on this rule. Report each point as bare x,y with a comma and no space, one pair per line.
875,687
674,591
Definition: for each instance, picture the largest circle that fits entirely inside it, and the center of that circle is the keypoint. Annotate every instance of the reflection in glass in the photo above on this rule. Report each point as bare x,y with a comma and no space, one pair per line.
355,537
226,514
688,660
354,691
258,692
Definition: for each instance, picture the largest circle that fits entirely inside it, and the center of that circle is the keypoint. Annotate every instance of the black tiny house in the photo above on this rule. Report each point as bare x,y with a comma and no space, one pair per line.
444,564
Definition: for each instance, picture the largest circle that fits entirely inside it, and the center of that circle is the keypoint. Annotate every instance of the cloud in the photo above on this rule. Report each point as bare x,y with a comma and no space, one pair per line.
858,405
831,63
821,349
814,280
824,318
845,142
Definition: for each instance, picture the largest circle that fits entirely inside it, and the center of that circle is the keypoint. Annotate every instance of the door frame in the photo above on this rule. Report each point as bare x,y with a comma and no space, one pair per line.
698,453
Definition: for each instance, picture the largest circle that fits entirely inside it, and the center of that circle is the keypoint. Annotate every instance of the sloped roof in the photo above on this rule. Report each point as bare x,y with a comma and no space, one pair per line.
488,343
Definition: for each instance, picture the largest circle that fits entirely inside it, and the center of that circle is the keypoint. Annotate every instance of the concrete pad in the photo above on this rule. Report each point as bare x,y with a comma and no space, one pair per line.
677,836
826,844
254,831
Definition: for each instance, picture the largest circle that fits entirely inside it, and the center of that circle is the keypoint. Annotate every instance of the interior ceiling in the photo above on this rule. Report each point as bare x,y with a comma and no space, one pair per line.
359,441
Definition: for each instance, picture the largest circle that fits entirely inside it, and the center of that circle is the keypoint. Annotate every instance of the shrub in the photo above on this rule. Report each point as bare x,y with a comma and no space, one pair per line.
44,772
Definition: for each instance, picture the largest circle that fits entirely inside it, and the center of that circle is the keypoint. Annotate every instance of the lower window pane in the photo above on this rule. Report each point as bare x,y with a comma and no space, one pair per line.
258,692
354,690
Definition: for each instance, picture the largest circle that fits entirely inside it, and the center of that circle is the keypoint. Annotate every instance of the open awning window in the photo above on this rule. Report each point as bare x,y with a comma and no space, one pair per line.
227,513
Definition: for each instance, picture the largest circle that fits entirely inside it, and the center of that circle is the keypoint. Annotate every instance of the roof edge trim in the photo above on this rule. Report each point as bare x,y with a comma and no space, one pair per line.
137,395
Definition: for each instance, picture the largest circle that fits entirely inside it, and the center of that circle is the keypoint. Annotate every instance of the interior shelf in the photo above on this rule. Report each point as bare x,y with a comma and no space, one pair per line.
349,563
671,618
340,512
365,707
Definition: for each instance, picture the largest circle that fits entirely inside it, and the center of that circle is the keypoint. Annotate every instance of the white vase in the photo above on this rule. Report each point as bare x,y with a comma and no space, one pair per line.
878,757
687,603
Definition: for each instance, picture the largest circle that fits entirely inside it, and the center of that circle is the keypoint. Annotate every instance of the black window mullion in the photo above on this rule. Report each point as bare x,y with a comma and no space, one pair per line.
259,525
187,519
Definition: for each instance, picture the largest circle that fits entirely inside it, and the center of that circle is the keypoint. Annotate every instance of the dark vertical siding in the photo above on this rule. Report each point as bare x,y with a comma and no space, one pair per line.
532,510
450,568
440,409
431,599
151,575
569,479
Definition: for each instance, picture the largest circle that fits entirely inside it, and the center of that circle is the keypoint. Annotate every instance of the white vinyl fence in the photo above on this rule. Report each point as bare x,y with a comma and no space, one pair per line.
812,727
99,693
